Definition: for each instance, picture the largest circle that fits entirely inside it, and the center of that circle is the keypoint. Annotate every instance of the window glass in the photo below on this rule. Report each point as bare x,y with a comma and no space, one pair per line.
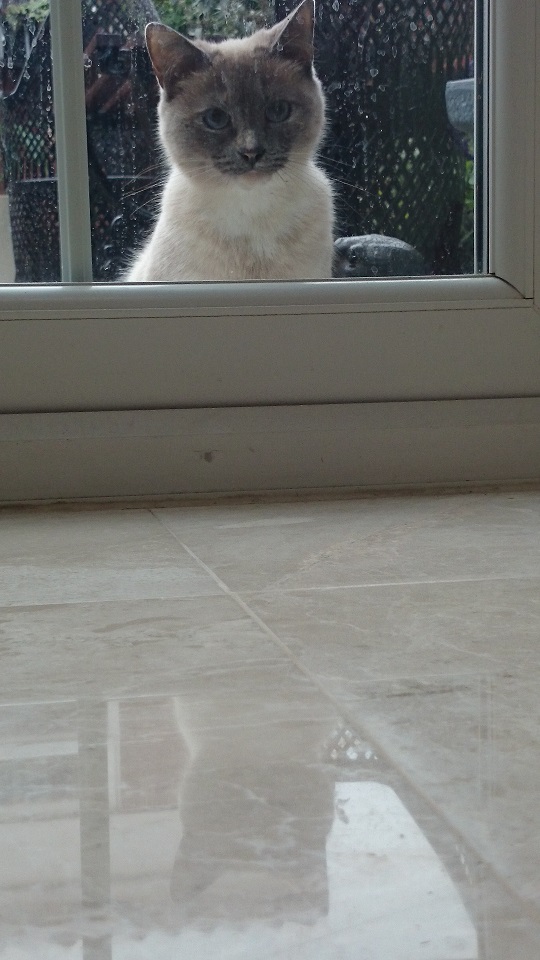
400,89
28,194
398,76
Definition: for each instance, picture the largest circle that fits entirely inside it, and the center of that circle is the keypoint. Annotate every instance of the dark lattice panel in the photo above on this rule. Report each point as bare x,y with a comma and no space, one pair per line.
123,161
27,114
33,209
122,131
397,165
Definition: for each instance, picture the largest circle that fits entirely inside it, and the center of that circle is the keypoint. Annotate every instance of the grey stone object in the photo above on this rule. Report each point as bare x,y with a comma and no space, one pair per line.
460,105
375,255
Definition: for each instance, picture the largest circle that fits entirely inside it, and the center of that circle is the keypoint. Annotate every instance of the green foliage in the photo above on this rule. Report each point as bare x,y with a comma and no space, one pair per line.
178,14
225,18
36,10
194,17
466,242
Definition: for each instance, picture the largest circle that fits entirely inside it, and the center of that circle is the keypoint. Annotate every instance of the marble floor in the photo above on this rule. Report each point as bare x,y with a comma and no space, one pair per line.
281,731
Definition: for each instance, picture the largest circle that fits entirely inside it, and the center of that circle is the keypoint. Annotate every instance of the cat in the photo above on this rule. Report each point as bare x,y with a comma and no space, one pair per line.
240,121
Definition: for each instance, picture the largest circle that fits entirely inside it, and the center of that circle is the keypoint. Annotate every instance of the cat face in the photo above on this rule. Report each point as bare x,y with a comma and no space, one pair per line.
241,109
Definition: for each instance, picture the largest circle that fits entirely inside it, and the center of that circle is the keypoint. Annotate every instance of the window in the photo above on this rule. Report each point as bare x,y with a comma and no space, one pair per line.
284,361
399,82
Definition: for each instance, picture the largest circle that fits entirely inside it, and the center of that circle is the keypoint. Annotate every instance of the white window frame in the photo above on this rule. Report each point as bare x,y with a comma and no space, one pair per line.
156,390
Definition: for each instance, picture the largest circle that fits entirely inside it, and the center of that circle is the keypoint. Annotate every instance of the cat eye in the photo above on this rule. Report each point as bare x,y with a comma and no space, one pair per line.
277,111
215,118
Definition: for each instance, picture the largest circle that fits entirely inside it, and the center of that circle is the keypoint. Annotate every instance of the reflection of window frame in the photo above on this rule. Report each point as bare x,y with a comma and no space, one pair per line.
308,376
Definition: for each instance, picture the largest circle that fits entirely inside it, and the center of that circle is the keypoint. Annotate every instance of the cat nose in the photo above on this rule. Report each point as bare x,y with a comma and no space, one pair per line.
251,157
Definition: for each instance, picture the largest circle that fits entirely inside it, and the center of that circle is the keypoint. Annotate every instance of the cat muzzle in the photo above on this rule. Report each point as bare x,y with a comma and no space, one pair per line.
250,158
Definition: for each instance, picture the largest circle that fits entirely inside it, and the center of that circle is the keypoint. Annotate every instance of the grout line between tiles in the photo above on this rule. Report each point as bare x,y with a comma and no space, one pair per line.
389,583
249,612
266,591
342,711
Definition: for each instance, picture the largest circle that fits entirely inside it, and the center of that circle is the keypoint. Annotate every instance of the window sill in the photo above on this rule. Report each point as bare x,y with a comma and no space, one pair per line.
240,299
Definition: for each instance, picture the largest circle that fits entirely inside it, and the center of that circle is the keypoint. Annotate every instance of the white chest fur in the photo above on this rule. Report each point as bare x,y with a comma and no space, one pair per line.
257,228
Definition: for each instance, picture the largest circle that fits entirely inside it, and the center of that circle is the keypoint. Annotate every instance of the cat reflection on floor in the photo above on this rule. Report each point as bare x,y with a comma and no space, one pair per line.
256,804
240,122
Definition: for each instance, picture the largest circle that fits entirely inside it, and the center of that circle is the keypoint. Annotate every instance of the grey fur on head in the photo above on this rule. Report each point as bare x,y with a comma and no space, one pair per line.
233,106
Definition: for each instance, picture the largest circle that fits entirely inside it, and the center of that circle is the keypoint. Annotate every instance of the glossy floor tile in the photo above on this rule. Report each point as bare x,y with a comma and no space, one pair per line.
272,732
71,558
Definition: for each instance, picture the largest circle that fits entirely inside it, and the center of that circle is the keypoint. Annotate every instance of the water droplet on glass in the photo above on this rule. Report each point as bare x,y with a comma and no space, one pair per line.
335,5
10,63
374,71
413,26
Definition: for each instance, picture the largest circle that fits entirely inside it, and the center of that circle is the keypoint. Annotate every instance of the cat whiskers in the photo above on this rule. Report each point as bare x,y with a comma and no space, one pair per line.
149,182
154,186
341,202
329,162
294,170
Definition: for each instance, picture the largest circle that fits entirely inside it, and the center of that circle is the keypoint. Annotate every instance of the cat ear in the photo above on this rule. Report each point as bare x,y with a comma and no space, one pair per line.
173,56
294,35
